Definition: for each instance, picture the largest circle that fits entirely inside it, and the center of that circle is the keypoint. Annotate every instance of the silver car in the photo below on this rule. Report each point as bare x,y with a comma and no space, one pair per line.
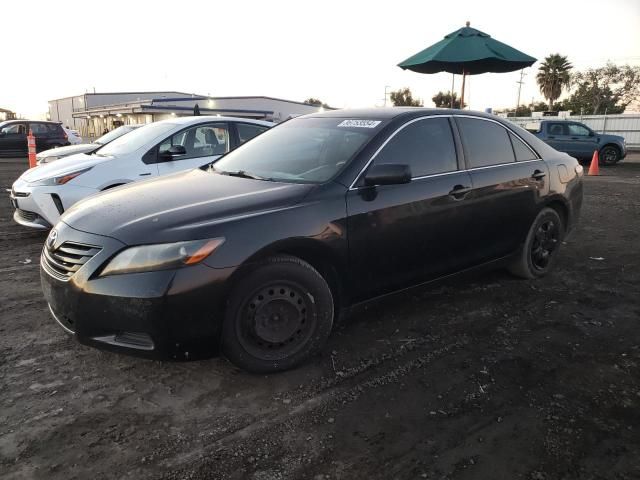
54,154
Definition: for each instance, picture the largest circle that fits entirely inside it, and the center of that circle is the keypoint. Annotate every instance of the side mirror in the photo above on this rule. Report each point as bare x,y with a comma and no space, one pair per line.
592,133
2,134
173,151
387,174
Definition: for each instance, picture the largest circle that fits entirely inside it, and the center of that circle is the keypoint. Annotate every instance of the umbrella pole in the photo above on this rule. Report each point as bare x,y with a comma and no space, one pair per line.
453,82
464,75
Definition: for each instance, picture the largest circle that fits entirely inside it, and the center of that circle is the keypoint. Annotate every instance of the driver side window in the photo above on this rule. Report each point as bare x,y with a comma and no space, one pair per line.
199,141
578,130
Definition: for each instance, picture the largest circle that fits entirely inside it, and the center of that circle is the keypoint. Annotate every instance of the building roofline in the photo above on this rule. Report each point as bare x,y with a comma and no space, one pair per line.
128,93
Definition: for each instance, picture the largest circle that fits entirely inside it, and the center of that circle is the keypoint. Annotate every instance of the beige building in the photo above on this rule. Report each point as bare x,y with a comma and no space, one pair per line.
93,113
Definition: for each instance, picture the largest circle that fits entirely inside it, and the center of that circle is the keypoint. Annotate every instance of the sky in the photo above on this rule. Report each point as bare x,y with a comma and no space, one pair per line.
343,52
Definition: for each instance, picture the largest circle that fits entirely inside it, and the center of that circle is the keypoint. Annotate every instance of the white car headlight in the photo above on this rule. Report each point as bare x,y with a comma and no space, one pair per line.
161,256
61,179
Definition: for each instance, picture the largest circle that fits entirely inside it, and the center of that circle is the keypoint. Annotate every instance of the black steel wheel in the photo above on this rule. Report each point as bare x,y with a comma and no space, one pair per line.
541,245
278,315
609,155
545,242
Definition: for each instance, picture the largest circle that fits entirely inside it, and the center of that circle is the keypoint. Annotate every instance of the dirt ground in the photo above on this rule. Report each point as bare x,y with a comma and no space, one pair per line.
487,377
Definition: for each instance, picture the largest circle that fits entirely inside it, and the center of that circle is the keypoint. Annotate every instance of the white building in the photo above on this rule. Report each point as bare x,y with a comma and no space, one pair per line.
93,113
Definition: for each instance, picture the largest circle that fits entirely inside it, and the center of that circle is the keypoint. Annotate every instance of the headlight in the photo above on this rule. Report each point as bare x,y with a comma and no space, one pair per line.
61,179
162,256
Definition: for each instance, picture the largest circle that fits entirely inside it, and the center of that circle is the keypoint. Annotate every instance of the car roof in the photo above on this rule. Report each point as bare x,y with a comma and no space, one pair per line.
209,118
20,120
393,112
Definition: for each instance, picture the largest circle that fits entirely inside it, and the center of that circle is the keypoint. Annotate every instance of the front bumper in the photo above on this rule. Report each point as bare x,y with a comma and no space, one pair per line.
42,206
170,314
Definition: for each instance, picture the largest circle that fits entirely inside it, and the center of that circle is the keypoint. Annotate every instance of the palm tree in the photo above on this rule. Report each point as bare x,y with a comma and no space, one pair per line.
553,75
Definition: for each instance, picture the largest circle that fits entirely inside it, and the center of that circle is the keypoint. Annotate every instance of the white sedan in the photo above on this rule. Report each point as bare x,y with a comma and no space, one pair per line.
42,194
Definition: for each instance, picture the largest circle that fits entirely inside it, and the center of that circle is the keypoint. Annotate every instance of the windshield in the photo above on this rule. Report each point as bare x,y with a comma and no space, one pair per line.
113,134
303,150
136,139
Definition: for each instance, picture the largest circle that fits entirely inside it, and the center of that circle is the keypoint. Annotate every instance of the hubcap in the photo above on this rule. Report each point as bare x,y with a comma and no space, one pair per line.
609,155
277,320
545,242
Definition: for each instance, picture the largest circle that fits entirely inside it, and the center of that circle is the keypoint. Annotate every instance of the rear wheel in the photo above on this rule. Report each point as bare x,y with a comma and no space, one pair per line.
540,247
609,155
278,315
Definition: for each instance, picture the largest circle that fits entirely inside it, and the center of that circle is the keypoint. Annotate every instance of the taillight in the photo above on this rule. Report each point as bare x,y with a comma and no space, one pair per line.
64,134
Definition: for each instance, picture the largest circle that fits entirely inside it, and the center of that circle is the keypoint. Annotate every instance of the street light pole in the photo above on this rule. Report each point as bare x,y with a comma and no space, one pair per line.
385,94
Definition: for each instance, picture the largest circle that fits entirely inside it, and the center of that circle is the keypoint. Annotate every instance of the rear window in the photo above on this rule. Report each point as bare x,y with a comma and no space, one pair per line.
523,153
485,143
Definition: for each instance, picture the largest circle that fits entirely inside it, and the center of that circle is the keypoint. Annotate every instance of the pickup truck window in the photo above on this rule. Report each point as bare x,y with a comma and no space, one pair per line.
578,130
557,129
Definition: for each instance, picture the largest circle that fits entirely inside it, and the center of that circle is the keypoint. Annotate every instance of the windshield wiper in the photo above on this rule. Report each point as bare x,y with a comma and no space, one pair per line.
242,174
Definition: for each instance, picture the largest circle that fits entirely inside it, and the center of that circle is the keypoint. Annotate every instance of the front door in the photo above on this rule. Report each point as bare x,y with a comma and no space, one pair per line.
13,139
583,140
203,144
400,235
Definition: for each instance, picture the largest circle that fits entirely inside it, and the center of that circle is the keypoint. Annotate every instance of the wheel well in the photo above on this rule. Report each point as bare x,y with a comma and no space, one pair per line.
562,210
611,145
315,256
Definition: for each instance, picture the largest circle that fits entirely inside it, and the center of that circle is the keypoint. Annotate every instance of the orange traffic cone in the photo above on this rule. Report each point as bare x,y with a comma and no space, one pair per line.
594,168
31,145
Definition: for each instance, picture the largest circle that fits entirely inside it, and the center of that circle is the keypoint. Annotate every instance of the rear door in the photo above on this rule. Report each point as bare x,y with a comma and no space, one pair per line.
557,135
42,134
400,235
203,144
508,181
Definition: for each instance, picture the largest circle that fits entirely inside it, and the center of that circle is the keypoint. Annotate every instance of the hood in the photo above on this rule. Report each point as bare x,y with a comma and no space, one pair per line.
62,167
68,150
185,205
610,138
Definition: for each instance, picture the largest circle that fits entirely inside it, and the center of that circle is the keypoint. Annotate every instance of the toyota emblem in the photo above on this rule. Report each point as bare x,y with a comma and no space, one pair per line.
51,240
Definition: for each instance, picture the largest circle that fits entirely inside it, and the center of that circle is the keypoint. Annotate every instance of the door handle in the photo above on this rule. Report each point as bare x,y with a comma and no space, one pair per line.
459,191
144,174
551,136
575,138
538,175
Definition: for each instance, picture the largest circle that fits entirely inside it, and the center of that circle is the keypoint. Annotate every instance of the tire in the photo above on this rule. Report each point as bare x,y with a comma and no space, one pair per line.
540,247
609,155
278,315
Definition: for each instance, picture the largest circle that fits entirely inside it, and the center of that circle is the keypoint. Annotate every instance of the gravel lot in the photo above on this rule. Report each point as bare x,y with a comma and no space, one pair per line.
482,377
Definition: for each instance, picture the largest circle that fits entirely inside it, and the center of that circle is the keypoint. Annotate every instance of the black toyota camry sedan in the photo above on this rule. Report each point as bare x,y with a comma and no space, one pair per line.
256,254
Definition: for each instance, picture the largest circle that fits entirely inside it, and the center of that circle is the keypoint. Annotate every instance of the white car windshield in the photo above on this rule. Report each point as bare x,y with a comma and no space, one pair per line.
304,150
134,140
113,134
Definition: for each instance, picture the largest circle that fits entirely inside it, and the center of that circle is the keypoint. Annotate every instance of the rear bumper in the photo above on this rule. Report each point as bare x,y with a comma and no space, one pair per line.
170,314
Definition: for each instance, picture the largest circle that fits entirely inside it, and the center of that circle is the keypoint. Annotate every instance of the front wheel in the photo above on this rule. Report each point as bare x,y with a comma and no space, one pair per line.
540,247
609,155
278,315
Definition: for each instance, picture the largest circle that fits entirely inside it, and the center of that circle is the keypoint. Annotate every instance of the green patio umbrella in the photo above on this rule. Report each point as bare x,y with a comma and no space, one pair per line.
467,51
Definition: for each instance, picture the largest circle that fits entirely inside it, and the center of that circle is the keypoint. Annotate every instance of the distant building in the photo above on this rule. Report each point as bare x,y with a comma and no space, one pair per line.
6,115
93,113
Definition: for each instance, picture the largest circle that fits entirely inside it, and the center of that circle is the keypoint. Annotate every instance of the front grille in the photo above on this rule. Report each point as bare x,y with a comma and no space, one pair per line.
67,259
27,216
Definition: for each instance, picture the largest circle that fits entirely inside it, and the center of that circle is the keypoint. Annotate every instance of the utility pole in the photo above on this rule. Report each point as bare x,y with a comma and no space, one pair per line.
520,82
386,87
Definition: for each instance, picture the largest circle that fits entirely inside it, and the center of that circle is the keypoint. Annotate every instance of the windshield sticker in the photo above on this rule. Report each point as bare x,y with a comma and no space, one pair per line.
360,123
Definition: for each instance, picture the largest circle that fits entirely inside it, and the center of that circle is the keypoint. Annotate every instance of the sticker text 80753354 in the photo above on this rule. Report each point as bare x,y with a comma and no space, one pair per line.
359,123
